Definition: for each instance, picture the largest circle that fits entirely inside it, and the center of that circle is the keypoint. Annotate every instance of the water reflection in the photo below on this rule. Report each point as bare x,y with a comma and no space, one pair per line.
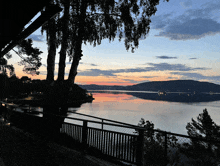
169,116
183,97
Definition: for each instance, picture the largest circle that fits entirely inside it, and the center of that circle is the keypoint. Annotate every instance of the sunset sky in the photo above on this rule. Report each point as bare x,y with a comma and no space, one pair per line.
183,43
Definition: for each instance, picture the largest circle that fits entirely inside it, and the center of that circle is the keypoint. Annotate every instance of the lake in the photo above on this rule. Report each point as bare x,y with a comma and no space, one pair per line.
168,116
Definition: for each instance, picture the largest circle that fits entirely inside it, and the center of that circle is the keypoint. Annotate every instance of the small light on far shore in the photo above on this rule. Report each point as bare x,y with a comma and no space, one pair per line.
7,124
2,119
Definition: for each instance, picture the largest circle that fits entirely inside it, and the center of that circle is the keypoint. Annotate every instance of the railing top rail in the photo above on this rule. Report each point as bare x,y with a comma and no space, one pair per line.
103,130
92,121
110,124
114,121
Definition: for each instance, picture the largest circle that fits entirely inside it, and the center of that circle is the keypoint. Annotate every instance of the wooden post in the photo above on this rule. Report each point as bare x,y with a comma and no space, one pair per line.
84,134
140,148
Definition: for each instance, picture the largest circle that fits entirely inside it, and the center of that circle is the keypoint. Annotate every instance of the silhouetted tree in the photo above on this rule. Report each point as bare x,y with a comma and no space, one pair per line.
95,20
5,68
65,32
90,21
204,127
154,145
52,33
203,152
30,58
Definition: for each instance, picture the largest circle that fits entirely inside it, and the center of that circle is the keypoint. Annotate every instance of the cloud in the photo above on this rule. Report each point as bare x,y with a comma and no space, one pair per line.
88,64
193,24
197,76
36,38
191,29
165,57
148,76
153,67
161,21
173,78
173,67
92,64
192,58
96,72
186,4
131,81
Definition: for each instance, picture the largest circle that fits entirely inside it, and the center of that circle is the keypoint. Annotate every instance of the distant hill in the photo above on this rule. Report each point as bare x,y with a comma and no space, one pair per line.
168,86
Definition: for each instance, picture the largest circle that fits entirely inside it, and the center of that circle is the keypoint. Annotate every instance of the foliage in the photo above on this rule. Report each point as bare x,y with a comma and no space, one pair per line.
5,68
109,18
91,21
203,152
53,36
204,127
32,61
154,144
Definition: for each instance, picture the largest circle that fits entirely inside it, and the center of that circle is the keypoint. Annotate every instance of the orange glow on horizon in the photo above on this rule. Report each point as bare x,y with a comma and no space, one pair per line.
118,80
110,83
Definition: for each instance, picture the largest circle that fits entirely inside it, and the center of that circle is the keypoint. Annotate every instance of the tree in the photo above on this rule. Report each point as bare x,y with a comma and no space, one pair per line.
5,68
65,36
52,33
32,61
95,20
90,21
204,127
203,152
29,58
154,145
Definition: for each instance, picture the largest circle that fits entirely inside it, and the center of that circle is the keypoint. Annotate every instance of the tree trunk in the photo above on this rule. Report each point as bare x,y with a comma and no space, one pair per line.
75,63
51,50
79,40
64,44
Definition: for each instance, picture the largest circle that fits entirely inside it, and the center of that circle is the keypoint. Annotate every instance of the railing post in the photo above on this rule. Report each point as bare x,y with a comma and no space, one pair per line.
102,123
84,134
165,150
140,148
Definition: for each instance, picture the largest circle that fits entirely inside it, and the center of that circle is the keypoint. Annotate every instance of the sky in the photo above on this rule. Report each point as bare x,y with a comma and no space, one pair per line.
183,43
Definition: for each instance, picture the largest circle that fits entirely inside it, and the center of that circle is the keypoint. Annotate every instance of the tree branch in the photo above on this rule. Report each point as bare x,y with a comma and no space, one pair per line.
113,14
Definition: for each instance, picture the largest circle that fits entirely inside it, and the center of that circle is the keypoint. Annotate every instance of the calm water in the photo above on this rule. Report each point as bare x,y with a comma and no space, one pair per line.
169,116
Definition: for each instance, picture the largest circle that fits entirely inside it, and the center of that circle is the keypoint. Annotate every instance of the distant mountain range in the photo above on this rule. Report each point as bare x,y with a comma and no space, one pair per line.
168,86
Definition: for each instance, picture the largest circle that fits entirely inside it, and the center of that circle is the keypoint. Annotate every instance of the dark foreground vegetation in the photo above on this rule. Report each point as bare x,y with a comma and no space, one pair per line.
40,92
202,147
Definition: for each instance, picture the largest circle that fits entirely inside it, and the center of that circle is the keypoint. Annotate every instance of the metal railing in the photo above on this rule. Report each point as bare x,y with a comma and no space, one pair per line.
110,143
145,147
